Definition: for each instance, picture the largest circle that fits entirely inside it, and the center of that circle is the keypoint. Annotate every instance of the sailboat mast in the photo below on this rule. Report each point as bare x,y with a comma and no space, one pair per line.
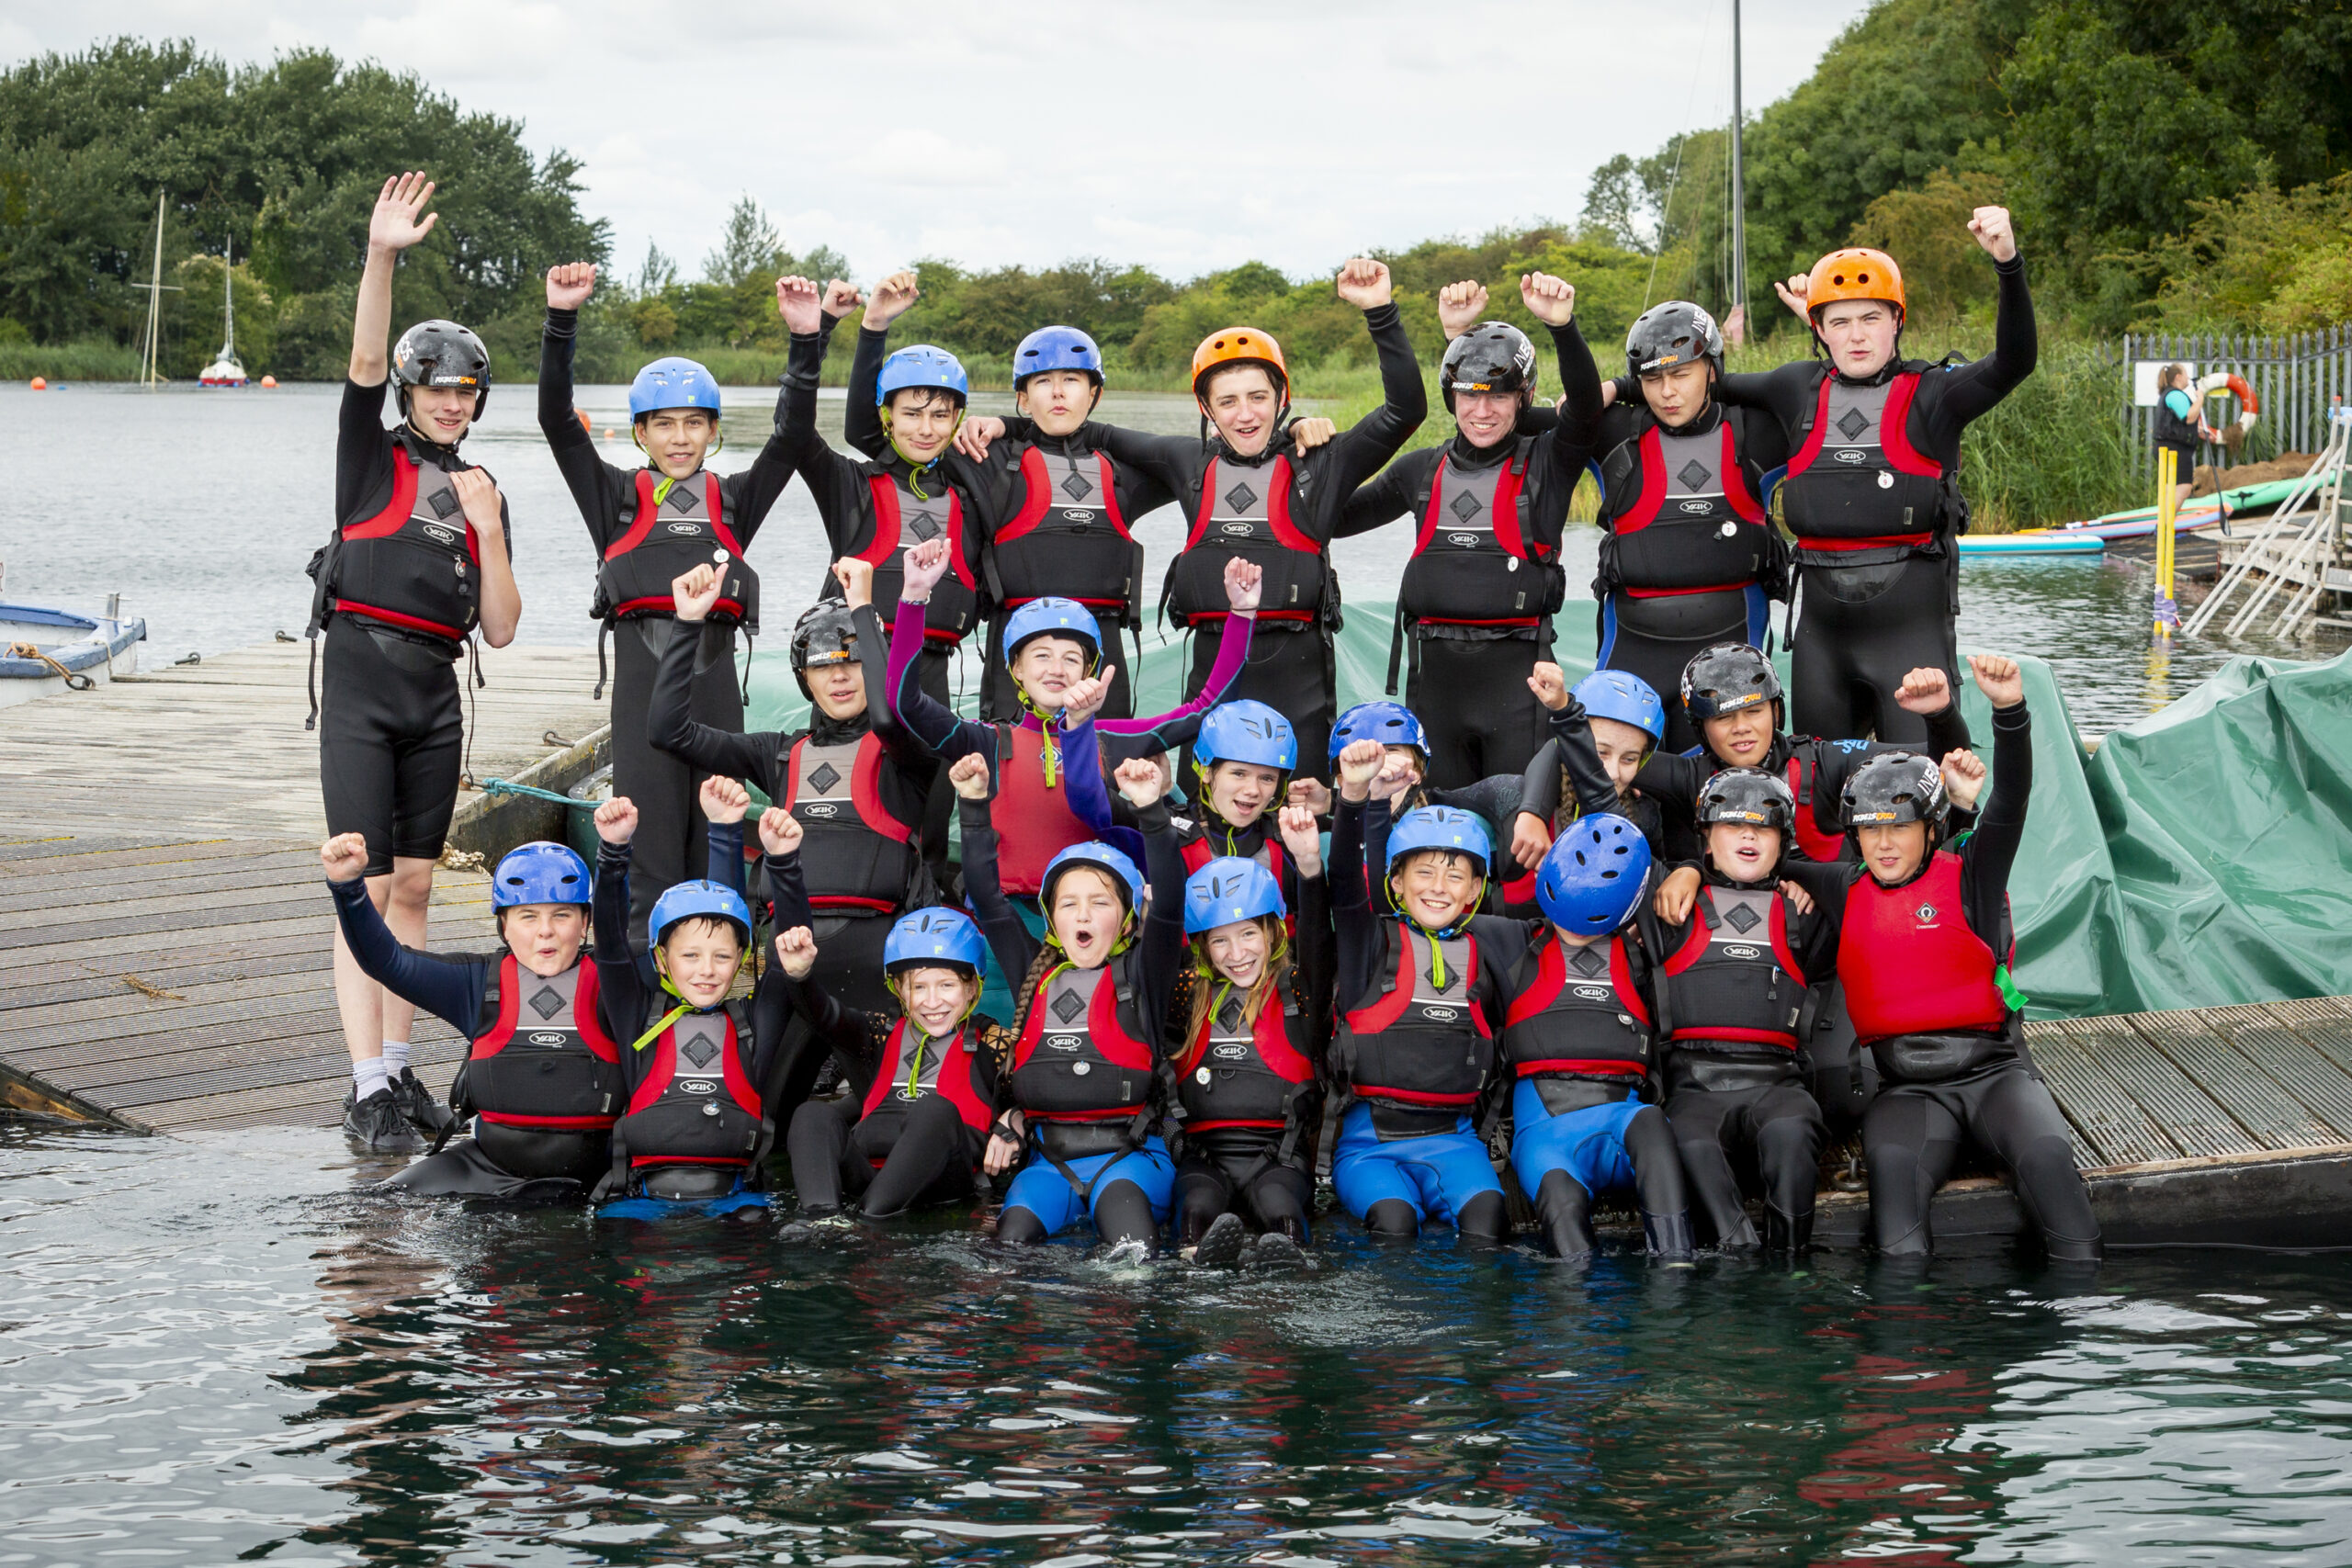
1738,186
155,293
229,297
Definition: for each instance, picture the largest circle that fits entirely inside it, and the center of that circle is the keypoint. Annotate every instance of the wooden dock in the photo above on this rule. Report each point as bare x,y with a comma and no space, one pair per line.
165,935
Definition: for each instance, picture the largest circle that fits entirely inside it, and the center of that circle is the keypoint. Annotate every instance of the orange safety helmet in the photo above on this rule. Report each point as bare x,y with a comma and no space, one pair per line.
1855,273
1238,345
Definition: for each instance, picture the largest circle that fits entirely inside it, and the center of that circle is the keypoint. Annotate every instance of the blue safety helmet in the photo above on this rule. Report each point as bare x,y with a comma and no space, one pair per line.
1391,723
1053,615
1101,856
540,874
1246,730
1440,827
673,383
1228,889
688,899
1594,875
921,366
1056,348
940,936
1625,697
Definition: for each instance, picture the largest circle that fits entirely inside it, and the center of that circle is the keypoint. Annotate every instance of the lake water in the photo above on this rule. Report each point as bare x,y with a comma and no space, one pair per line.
202,507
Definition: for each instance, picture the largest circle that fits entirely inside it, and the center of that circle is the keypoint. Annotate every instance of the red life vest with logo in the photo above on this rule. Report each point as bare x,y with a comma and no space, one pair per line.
1911,964
1581,1015
1816,841
1067,538
855,855
1414,1042
901,521
697,1104
544,1062
1245,511
1735,979
1685,521
1473,562
666,540
1034,819
1082,1056
936,1066
416,563
1238,1072
1856,482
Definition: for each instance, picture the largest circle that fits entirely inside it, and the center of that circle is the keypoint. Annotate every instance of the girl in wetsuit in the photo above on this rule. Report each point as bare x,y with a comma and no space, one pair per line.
1424,991
419,561
1253,1029
649,524
924,1084
1576,1045
1602,731
1242,761
1084,1092
1871,489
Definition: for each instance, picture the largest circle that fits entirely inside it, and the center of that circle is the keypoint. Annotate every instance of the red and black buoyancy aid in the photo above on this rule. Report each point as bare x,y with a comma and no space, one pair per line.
1804,772
545,1062
1067,538
1083,1055
1245,511
1735,979
697,1104
1420,1041
854,856
1856,482
1910,962
1680,515
414,565
901,520
1238,1072
1475,561
678,524
1034,819
1580,1014
914,1066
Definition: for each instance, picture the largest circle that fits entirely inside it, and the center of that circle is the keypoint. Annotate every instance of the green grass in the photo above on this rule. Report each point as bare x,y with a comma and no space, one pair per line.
89,360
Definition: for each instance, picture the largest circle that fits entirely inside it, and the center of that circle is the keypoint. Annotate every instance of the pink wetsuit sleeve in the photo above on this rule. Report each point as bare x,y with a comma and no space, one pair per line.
1177,726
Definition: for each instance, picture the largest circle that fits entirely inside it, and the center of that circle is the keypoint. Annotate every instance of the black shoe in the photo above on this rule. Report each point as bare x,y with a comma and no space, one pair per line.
377,1126
1668,1235
1276,1249
1220,1245
424,1113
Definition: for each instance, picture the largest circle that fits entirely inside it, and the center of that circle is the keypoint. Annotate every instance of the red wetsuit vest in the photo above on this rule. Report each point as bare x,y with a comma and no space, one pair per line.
665,539
1067,538
910,1071
1473,563
1082,1055
1417,1041
1034,819
1801,770
1580,1016
1734,980
1911,964
544,1062
901,521
1681,518
1238,1072
855,855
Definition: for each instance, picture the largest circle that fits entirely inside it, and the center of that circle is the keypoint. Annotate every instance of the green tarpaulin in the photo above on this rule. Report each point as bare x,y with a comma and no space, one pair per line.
2203,857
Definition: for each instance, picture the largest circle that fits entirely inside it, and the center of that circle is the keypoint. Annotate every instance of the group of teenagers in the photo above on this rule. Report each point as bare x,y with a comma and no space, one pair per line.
1664,931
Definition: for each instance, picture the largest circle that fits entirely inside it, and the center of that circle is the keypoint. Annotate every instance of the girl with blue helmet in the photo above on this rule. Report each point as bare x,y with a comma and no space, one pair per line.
649,524
910,486
1254,1016
923,1083
1086,1085
1404,742
1243,761
1422,987
1578,1047
541,1082
1603,730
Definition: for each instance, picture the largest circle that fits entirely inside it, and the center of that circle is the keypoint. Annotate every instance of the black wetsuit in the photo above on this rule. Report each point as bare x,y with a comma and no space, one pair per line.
391,720
1874,513
1059,529
1291,666
662,783
1476,600
1963,1077
894,1149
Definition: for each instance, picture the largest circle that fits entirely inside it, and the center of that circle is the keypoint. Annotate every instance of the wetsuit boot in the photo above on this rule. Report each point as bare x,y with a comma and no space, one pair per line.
1221,1244
1563,1209
1669,1234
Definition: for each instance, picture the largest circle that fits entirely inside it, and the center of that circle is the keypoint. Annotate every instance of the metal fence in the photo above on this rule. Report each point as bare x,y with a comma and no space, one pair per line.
2295,380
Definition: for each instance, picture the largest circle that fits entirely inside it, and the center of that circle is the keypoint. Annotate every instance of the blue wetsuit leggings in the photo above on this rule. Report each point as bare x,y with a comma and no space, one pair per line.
1126,1196
1564,1161
1393,1185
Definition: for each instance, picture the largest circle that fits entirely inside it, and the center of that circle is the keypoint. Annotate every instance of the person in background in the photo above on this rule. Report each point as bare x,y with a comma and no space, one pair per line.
2181,425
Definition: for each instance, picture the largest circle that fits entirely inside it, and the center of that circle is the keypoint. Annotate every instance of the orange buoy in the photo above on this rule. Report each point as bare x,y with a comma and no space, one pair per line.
269,380
581,414
40,384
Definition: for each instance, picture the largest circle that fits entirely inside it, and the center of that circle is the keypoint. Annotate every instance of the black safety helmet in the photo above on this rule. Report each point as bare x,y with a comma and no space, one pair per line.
1726,677
1673,333
1493,356
1750,795
441,353
1894,786
826,633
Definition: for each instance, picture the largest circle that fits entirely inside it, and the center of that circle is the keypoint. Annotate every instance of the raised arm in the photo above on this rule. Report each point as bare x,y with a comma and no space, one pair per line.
1243,582
399,221
626,978
916,712
449,987
1361,450
1992,850
861,425
1014,948
751,494
669,722
1162,952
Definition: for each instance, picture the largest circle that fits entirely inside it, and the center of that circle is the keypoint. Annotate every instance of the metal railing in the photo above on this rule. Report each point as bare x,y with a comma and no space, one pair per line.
2294,379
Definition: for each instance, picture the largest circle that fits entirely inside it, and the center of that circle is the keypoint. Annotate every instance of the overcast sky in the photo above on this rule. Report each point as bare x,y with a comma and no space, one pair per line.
1186,134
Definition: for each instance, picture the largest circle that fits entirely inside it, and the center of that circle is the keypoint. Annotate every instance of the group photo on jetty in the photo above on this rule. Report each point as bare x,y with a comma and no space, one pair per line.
1180,874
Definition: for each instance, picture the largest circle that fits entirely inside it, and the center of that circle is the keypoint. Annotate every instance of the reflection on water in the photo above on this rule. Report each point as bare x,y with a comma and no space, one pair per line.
212,1350
209,504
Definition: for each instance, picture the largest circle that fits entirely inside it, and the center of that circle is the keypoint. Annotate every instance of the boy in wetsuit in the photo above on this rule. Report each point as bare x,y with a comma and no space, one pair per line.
419,561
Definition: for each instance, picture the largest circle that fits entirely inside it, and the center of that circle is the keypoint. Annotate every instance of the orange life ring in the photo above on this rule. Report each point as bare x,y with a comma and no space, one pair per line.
2234,385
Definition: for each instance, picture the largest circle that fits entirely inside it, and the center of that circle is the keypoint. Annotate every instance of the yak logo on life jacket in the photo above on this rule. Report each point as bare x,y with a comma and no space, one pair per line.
1236,527
1742,951
1441,1015
1850,455
550,1039
445,536
1078,516
1060,1042
821,808
698,1085
1591,993
1232,1053
1466,541
684,527
1699,508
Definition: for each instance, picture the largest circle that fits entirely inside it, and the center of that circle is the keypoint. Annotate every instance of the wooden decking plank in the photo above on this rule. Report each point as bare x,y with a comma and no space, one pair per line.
17,851
230,898
175,1058
2251,1097
2189,1116
97,891
2118,1131
300,958
2325,1023
139,1094
75,850
192,1005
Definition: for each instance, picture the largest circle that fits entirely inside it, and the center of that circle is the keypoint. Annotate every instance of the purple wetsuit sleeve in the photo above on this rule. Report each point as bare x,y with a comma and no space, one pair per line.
1125,738
914,709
